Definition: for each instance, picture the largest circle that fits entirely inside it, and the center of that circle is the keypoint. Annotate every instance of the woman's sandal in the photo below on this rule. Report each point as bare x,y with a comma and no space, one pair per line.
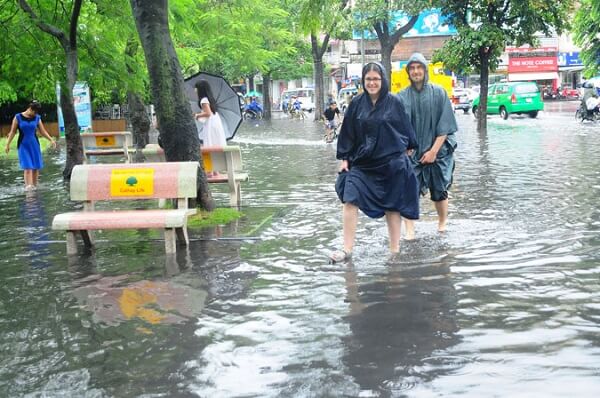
339,256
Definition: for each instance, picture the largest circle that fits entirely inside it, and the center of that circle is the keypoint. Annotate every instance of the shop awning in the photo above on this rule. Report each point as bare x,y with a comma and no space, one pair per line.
519,77
570,68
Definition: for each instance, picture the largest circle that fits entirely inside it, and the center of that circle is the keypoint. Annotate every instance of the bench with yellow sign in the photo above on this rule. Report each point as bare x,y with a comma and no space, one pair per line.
107,143
114,182
223,165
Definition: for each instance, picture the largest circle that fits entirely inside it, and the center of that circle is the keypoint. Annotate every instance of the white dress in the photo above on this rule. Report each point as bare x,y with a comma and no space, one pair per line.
210,129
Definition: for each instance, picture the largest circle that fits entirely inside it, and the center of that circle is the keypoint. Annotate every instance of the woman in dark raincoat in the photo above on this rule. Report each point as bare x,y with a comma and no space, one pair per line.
375,173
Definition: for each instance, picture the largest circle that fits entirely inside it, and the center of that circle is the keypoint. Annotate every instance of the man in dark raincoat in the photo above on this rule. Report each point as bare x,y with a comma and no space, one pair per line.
432,117
376,175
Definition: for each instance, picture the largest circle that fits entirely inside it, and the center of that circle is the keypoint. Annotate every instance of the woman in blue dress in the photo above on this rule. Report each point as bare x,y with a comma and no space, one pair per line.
375,171
28,145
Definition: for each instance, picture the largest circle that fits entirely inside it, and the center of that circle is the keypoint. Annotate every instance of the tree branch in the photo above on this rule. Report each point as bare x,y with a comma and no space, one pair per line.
45,27
73,24
400,32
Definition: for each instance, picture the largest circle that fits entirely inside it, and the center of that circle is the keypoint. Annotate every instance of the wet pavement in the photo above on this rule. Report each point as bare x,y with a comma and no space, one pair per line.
505,304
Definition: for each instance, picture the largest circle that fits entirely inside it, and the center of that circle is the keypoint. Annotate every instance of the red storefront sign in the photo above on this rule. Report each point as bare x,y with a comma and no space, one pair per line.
532,64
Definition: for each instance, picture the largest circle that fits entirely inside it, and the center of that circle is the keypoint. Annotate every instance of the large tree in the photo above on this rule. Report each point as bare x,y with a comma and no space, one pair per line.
587,34
320,20
68,16
380,14
485,27
176,124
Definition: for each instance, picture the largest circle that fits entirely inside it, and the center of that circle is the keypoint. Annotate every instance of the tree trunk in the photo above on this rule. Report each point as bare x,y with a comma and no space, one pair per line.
178,132
388,41
251,83
318,76
140,123
317,51
72,136
483,90
386,58
267,103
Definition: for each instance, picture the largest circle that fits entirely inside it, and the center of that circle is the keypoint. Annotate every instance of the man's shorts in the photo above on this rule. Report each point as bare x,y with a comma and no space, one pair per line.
438,196
331,124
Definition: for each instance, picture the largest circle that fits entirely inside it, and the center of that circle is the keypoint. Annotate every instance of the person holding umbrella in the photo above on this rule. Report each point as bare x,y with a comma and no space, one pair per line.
212,133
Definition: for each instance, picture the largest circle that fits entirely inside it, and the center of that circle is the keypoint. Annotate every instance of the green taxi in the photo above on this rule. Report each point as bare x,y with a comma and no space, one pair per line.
512,97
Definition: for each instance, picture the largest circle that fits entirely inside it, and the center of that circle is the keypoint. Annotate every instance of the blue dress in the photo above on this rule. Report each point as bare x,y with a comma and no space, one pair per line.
28,145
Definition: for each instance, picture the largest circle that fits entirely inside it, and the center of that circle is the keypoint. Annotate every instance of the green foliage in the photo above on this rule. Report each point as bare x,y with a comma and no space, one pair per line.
587,35
219,216
230,38
485,27
32,61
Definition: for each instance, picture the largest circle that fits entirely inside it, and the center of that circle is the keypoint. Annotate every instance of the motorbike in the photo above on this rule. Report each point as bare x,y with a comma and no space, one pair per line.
582,113
250,114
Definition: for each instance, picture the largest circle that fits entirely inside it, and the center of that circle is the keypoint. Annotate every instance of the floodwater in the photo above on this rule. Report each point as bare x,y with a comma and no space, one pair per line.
505,304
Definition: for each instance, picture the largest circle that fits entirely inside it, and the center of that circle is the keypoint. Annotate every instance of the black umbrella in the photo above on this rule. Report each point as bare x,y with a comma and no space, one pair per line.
227,100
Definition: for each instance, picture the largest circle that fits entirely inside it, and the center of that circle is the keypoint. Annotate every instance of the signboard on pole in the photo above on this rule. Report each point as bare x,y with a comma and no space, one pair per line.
83,107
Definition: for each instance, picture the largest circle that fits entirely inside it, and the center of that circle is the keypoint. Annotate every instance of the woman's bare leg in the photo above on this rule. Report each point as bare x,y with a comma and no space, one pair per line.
28,176
34,177
350,219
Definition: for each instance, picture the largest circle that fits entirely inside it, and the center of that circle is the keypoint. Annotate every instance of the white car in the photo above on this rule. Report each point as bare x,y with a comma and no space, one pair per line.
461,99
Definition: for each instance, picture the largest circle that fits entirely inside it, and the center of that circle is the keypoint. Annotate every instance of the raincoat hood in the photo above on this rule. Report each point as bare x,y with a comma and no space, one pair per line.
385,85
420,58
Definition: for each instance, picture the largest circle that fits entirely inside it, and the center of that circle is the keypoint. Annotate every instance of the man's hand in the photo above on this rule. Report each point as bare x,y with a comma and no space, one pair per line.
428,157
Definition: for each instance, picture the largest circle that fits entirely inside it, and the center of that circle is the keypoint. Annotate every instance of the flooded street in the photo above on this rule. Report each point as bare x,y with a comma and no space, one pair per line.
505,304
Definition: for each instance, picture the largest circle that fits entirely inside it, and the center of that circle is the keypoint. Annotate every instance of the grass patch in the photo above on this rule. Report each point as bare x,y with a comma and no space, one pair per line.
219,216
44,144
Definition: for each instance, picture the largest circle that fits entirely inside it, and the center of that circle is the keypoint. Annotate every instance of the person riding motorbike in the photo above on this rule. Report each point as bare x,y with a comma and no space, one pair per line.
590,101
254,109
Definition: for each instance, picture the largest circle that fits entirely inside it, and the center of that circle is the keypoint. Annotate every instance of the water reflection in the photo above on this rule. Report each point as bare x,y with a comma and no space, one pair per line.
399,322
35,229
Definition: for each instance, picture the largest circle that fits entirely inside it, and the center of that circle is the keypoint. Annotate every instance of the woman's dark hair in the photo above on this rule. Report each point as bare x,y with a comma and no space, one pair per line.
35,106
203,90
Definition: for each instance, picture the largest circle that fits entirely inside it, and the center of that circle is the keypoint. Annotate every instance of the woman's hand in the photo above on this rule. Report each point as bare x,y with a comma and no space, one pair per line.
53,143
344,166
7,149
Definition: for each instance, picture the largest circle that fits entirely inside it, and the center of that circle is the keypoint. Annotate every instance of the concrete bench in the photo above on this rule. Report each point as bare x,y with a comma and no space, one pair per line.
107,144
125,182
223,165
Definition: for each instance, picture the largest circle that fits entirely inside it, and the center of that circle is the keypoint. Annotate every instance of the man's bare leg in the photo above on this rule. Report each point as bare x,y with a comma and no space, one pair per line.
394,224
442,210
410,229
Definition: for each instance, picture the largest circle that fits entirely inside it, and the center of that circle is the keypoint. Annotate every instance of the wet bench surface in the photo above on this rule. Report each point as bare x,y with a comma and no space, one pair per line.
127,182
